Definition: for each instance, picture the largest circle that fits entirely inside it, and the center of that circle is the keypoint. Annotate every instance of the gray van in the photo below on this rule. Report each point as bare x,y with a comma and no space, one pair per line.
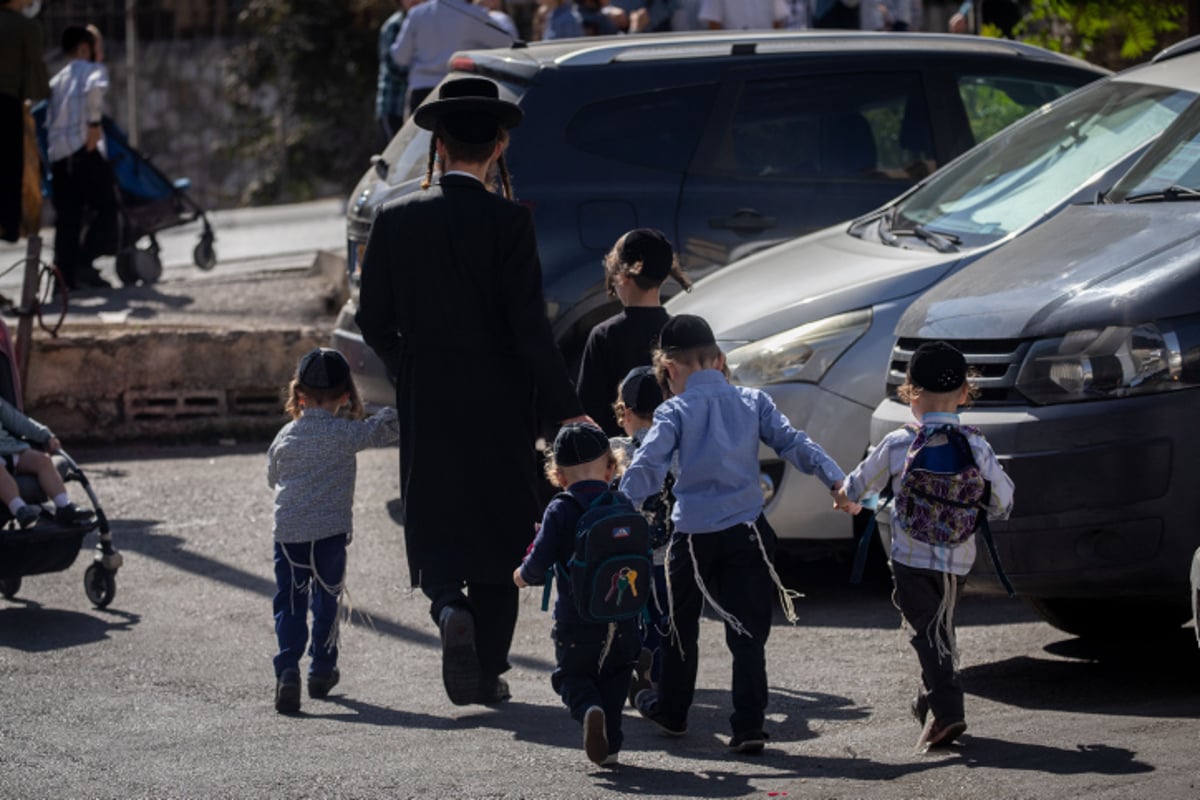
1085,333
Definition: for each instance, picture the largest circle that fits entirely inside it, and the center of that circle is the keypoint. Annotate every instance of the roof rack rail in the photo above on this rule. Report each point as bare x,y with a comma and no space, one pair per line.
1190,45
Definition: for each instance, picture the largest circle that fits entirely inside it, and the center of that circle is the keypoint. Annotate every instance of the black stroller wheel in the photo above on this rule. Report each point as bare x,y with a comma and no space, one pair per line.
9,586
125,269
204,256
99,585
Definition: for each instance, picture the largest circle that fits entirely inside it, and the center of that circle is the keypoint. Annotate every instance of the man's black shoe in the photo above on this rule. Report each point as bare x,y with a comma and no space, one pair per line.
748,742
493,690
647,706
460,662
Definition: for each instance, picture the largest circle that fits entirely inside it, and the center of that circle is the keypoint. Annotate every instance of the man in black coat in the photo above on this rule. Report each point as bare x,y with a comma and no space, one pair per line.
451,301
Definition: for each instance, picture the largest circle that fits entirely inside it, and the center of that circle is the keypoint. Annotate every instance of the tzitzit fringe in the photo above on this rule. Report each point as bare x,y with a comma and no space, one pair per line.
733,622
672,631
608,640
943,621
786,596
345,606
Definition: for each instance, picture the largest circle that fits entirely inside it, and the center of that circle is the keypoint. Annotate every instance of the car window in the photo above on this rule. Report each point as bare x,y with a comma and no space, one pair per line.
1029,169
993,102
832,127
1171,165
654,129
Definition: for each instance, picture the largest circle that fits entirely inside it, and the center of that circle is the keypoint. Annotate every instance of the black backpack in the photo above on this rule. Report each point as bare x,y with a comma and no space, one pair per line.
609,575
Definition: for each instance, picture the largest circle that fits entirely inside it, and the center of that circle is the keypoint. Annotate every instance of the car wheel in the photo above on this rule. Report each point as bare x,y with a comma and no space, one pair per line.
1112,618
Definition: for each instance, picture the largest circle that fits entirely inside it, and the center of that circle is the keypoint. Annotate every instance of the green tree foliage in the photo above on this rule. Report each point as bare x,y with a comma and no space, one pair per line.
301,78
1113,33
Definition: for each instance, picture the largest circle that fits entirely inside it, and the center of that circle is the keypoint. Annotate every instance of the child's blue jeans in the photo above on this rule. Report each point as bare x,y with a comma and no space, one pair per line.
583,681
296,592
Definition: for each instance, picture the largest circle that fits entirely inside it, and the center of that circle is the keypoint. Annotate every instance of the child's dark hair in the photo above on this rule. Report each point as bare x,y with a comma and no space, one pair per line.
75,35
294,406
615,265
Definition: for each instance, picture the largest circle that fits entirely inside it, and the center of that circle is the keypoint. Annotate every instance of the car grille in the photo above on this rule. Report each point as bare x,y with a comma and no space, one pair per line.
993,365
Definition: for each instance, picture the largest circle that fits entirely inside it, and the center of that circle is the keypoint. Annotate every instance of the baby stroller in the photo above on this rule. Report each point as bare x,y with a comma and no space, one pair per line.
148,202
50,546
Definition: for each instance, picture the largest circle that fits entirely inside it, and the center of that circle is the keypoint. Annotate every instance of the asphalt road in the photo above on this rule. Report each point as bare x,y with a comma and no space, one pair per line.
168,692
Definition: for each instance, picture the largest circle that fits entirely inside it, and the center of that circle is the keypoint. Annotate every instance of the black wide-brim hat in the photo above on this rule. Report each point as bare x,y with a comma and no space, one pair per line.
468,109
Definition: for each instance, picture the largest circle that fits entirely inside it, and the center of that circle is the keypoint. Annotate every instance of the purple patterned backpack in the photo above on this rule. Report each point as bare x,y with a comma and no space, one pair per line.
942,493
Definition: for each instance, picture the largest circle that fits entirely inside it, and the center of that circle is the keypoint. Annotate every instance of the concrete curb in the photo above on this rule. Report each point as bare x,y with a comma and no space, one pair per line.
214,366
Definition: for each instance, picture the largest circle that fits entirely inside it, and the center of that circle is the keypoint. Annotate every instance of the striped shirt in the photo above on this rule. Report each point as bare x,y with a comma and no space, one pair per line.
392,85
76,98
886,462
312,466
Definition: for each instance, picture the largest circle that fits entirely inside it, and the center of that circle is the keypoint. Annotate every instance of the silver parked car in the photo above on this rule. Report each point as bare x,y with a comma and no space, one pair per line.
812,321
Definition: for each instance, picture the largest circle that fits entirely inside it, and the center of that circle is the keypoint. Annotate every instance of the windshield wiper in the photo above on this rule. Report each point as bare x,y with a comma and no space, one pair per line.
1175,192
942,242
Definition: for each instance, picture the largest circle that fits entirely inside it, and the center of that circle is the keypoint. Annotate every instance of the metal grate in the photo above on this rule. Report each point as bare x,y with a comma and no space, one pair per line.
178,405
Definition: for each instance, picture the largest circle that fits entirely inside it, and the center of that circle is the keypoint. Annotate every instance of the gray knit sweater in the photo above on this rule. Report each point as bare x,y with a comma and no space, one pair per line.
312,465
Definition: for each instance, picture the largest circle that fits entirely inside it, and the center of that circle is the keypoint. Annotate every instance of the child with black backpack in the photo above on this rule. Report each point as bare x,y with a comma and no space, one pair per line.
944,480
598,547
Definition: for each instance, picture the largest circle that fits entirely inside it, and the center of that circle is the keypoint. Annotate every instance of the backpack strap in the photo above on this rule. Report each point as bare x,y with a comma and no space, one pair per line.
548,585
864,544
986,531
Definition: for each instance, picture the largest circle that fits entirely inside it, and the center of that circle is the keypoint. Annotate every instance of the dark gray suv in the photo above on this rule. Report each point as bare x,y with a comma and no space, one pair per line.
727,142
1085,334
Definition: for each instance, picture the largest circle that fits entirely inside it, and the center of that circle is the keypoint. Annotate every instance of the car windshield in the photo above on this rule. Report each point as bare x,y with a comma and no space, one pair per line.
1027,170
407,154
1170,170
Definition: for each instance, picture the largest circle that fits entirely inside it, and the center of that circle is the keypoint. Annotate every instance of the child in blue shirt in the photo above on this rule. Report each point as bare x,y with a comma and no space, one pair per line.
722,548
594,660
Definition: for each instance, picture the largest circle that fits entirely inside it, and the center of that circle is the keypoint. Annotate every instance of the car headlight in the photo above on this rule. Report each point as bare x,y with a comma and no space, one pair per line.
1117,361
801,354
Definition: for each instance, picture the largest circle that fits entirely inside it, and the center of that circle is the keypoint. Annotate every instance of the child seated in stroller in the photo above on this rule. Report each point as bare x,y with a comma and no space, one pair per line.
17,431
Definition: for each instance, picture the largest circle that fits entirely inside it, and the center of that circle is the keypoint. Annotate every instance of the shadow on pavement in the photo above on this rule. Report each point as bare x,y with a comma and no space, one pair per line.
138,536
1144,678
32,628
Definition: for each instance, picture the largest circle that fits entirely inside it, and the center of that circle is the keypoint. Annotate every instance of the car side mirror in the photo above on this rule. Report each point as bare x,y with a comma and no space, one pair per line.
380,165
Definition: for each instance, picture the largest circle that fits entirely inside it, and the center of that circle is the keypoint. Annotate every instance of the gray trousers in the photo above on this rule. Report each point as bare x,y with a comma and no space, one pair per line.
921,597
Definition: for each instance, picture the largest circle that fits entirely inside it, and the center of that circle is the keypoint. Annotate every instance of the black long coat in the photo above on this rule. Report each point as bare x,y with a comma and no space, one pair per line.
451,300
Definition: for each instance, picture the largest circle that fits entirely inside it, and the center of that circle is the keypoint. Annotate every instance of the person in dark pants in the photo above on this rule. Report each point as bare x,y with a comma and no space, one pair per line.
85,199
451,301
721,551
634,272
593,661
928,571
22,77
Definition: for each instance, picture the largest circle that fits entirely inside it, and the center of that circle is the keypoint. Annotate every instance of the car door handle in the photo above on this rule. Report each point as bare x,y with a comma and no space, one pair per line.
744,220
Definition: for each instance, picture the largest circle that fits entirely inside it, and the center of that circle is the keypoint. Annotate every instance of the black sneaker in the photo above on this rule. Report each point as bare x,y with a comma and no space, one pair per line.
460,662
319,685
493,690
71,514
287,692
920,708
595,739
28,516
748,742
647,705
640,681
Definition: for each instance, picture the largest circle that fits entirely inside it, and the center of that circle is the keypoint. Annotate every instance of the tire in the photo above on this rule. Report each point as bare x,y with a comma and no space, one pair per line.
1113,618
9,586
204,256
125,268
99,585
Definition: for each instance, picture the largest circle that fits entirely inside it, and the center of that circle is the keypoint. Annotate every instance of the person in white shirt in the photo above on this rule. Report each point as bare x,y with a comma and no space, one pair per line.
743,14
82,178
432,33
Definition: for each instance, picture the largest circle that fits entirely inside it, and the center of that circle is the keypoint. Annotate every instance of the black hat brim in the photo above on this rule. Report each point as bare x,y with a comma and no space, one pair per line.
506,114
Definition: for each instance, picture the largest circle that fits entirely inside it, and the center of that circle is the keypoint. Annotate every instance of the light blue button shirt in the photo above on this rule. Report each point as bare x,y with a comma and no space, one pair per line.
716,428
435,30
